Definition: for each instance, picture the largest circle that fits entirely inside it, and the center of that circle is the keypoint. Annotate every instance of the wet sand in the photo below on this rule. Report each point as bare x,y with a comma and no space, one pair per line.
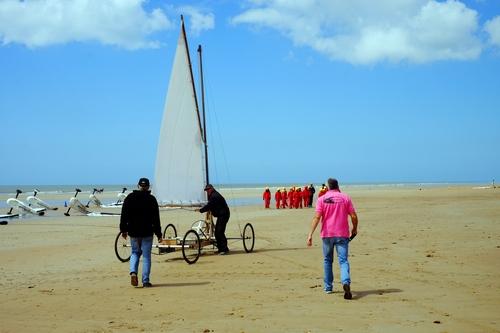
425,260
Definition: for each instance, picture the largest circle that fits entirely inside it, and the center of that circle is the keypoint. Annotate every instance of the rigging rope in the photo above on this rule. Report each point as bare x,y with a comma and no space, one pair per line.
223,152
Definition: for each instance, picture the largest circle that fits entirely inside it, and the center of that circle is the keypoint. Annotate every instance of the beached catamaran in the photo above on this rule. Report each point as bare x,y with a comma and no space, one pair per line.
25,209
74,203
35,201
182,163
22,207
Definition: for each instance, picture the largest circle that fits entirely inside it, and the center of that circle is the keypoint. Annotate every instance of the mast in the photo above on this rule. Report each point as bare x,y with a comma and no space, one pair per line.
204,118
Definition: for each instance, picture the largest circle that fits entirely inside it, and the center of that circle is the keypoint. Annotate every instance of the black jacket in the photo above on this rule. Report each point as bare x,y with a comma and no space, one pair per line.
216,205
140,215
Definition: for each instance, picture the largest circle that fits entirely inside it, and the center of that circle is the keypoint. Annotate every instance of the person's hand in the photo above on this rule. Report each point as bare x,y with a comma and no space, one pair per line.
124,235
309,240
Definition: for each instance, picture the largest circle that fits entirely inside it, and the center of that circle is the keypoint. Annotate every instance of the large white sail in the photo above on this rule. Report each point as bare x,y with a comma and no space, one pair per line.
180,174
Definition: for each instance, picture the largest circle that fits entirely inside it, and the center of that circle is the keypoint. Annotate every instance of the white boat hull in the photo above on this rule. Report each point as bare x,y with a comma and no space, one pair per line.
24,208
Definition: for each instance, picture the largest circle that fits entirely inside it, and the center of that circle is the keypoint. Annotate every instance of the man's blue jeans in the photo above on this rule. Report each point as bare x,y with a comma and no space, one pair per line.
141,246
341,245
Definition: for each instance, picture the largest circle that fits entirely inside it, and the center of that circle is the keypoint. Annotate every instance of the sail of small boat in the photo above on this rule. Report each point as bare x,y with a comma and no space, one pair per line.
181,170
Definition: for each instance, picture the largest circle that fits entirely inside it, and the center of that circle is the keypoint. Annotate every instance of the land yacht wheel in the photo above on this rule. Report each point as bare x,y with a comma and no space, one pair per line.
202,228
123,249
248,238
191,247
169,232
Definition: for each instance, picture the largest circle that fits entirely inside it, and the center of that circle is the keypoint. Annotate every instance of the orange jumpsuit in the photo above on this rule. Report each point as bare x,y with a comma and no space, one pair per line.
297,198
266,196
277,197
305,196
284,198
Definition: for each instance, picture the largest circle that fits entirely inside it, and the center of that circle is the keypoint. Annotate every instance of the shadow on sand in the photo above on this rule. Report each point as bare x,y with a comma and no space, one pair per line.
208,253
363,293
280,249
182,284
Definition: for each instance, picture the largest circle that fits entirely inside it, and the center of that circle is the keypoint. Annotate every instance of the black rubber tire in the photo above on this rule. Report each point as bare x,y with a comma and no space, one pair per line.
191,247
169,232
123,250
248,238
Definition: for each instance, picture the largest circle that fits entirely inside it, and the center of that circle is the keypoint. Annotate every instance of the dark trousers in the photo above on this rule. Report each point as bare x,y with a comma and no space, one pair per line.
220,229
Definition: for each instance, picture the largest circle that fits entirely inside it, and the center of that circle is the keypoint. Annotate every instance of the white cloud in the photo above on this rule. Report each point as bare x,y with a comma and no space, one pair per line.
366,32
492,27
199,21
38,23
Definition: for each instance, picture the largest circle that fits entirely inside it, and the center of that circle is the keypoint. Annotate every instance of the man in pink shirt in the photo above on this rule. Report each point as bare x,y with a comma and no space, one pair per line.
333,209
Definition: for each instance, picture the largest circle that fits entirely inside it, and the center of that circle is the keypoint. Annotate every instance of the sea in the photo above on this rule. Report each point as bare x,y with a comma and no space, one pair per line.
9,191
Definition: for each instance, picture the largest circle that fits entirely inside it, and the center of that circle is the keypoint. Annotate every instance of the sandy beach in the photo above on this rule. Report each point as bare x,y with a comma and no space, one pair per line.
425,260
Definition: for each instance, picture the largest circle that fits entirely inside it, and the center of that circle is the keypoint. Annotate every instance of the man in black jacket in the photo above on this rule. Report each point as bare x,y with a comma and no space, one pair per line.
218,207
140,219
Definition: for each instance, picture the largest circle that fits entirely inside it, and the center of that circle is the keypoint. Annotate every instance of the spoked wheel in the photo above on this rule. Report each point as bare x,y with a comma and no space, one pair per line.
123,249
248,238
202,228
169,232
191,247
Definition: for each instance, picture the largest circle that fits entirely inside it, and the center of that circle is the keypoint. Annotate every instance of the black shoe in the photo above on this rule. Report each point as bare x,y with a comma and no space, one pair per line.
223,253
347,291
147,285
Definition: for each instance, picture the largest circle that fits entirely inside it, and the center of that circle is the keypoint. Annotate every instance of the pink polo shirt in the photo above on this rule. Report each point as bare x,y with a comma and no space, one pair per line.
334,208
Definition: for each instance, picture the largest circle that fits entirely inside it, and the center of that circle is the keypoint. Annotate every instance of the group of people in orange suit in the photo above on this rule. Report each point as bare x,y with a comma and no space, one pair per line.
295,197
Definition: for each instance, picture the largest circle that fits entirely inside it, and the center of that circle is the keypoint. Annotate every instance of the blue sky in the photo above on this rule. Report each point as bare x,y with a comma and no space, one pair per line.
365,91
